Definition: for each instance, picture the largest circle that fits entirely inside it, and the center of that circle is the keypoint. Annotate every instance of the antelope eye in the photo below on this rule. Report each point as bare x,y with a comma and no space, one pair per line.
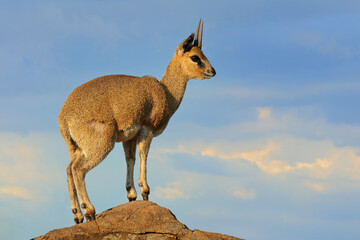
195,58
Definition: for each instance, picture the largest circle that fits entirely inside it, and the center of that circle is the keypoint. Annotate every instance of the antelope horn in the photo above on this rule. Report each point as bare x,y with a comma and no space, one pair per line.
196,41
201,33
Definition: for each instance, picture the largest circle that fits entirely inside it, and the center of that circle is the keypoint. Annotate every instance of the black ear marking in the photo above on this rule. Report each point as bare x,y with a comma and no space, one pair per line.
188,43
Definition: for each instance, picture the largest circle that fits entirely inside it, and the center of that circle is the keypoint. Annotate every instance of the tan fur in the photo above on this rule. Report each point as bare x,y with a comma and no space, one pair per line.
121,108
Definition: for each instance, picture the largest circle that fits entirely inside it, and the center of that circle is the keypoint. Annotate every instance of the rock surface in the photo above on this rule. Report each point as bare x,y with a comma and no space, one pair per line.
134,220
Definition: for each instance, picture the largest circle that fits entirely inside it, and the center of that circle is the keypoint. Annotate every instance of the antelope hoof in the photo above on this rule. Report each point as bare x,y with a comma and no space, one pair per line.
89,211
145,191
90,217
78,219
78,216
131,199
145,196
131,193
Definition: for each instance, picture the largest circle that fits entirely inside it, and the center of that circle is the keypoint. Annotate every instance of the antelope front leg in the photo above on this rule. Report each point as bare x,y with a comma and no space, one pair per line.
144,141
130,150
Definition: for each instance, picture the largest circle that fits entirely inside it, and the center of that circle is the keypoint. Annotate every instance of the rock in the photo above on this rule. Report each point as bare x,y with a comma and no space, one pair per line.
134,220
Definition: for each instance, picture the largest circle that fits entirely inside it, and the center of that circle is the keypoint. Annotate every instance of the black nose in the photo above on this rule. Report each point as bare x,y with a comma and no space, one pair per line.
213,71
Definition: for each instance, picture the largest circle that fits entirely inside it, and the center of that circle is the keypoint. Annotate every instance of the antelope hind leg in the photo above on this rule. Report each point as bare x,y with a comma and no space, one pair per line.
96,147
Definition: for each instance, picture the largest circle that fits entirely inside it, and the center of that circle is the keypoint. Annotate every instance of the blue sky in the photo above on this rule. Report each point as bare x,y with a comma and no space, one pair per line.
267,149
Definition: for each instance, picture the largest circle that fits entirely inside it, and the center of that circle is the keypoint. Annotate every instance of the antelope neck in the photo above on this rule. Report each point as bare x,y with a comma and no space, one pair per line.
174,83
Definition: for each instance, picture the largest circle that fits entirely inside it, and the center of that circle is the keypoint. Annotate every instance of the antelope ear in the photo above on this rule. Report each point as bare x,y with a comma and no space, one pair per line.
186,45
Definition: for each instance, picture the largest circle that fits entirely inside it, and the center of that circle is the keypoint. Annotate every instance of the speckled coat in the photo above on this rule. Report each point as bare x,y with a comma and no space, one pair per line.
128,109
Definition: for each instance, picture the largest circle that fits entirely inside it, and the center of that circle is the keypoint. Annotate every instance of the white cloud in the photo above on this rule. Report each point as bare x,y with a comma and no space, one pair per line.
245,194
304,151
263,168
171,192
263,112
213,211
16,192
316,186
327,45
17,161
264,159
27,169
179,149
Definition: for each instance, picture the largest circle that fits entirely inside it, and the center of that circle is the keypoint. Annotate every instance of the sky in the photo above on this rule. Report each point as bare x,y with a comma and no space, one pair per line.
267,149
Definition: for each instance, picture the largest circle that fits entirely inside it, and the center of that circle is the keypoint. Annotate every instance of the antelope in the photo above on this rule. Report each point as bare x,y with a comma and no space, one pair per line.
128,109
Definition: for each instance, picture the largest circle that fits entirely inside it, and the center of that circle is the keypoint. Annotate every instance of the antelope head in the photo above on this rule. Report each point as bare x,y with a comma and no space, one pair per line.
193,62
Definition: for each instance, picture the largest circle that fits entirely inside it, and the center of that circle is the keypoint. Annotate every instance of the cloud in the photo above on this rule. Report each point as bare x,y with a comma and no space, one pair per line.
316,186
294,146
54,21
171,192
32,182
43,37
245,194
263,159
279,92
263,112
323,44
27,169
17,161
212,211
16,192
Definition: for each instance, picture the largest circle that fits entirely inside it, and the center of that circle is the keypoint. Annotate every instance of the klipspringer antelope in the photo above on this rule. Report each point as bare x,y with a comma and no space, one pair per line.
127,109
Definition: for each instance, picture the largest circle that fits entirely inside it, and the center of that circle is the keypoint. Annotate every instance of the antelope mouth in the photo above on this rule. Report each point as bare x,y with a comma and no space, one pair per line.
209,75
